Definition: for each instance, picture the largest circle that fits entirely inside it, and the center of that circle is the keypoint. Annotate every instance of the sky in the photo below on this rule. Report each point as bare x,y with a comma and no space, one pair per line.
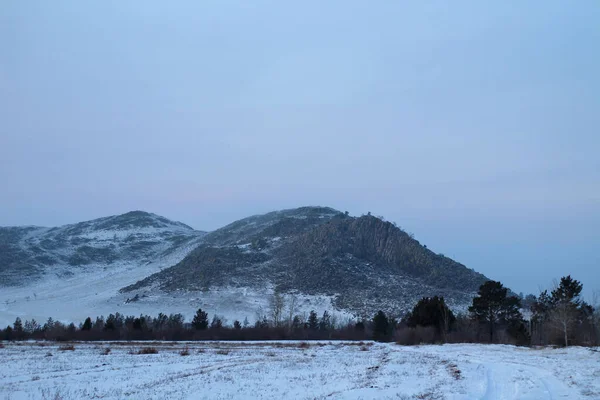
473,125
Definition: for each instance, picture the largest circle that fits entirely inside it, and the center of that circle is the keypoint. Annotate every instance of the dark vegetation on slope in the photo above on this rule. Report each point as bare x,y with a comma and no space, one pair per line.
318,250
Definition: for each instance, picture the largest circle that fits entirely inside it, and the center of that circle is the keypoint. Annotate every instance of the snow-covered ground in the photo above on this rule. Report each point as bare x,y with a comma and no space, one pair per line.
293,370
97,293
88,293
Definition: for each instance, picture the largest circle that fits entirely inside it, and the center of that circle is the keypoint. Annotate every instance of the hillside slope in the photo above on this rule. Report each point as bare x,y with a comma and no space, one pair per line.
361,264
75,271
137,237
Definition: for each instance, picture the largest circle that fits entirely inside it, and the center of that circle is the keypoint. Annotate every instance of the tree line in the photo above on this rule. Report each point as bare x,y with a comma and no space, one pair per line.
558,317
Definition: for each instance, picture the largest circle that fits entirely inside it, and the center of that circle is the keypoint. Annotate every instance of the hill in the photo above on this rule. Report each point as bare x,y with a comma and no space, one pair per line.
361,264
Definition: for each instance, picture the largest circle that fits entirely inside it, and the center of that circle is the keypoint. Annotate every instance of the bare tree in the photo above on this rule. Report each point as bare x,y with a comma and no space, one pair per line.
276,308
563,316
566,302
292,305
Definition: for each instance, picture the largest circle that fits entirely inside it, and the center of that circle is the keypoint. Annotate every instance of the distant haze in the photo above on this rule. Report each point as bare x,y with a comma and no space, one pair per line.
473,125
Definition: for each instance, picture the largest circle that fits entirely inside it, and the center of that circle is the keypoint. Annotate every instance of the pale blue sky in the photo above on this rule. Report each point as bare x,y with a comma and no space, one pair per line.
474,125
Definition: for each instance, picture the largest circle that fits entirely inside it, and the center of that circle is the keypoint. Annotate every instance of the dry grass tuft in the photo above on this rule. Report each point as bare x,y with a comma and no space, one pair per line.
147,350
66,347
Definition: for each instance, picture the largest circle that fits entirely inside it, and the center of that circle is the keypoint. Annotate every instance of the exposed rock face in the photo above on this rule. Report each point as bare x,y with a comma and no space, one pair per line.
367,263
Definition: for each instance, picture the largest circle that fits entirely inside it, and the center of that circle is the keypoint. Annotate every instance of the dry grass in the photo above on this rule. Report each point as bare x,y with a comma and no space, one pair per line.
106,351
147,350
66,347
222,352
185,352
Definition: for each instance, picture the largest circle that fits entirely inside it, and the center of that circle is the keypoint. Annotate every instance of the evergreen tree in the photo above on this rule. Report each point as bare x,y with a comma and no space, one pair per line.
8,333
567,309
359,326
87,324
313,320
175,321
568,291
18,328
200,321
325,322
216,323
493,306
381,326
296,322
431,311
237,325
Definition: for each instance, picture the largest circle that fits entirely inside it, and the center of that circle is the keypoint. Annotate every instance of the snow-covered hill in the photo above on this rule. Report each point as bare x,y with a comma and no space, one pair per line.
76,270
360,264
142,263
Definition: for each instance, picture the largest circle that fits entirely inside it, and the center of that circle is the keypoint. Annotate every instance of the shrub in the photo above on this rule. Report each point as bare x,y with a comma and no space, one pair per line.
185,352
148,350
418,335
106,351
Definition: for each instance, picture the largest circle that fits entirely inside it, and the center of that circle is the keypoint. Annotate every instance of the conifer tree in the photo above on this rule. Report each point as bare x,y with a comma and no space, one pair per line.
200,321
493,306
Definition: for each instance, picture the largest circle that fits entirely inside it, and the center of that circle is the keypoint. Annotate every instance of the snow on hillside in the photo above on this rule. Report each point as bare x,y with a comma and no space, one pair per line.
73,298
95,294
293,370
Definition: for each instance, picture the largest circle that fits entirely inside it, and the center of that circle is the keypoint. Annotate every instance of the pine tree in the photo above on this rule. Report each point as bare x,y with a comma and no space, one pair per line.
87,324
381,326
567,306
325,322
237,325
18,328
431,311
313,320
493,306
200,321
216,323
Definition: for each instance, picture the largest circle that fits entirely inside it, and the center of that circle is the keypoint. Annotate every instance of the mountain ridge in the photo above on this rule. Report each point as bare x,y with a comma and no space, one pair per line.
327,258
361,262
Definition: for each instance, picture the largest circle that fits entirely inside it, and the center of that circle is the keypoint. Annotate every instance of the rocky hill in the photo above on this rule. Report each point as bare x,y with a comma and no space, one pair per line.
143,263
361,263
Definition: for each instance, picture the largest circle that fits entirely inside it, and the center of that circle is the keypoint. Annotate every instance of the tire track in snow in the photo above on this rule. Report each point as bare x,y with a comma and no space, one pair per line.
502,382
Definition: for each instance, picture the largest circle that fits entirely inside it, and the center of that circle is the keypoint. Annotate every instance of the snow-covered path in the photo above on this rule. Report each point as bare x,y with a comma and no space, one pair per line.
293,370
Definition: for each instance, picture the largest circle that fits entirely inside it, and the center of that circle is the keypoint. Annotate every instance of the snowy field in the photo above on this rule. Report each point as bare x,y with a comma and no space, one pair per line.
295,370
